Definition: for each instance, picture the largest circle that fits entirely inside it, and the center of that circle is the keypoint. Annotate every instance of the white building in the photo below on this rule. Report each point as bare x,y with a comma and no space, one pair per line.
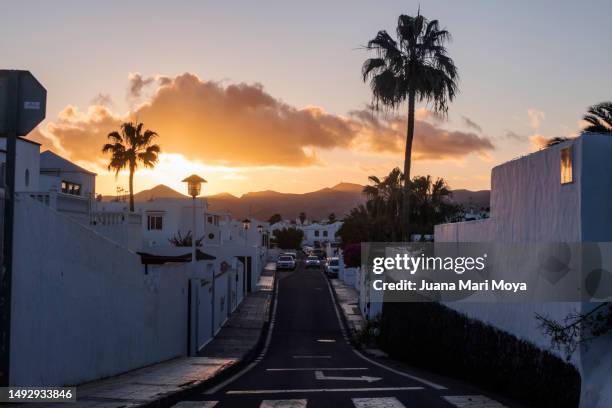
27,165
314,233
559,194
92,280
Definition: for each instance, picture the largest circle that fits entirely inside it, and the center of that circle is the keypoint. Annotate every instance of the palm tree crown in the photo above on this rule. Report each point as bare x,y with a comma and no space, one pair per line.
417,62
129,147
416,68
599,118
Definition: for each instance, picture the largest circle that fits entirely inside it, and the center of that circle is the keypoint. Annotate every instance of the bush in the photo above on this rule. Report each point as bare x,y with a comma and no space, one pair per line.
288,238
436,337
352,256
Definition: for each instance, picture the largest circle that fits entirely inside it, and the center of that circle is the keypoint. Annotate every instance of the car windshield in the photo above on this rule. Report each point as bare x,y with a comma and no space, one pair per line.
333,262
313,258
285,258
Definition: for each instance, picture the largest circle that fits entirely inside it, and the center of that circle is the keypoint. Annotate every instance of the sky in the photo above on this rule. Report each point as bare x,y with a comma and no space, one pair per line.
269,95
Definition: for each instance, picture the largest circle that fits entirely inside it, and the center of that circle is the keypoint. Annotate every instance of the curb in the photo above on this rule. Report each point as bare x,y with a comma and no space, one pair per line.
172,398
346,327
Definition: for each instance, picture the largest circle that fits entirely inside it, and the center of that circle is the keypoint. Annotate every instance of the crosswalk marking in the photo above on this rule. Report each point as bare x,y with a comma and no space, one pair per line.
473,401
317,369
385,402
196,404
291,403
310,390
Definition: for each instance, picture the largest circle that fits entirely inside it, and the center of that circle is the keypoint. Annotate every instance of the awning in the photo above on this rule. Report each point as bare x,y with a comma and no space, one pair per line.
152,259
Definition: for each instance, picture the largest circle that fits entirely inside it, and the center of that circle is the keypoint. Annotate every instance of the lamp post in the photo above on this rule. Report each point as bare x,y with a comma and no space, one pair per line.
194,186
246,224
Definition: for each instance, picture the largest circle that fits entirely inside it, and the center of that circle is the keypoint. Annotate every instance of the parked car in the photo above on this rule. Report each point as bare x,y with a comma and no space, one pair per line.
332,266
285,262
319,253
313,261
290,253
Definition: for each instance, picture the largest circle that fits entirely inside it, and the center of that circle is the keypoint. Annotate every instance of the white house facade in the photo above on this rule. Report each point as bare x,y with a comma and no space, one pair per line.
558,194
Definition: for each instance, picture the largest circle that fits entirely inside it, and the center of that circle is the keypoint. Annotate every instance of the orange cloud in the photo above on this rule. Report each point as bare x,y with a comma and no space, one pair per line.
243,125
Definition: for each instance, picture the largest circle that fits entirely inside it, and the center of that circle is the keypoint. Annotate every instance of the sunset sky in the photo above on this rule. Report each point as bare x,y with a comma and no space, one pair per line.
269,95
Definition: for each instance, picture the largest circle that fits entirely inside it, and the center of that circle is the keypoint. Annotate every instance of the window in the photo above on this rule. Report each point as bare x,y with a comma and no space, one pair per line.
316,233
566,165
155,222
324,233
27,177
69,187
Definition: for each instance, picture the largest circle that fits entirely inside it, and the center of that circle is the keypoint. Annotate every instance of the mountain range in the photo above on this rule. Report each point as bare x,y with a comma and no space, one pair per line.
339,199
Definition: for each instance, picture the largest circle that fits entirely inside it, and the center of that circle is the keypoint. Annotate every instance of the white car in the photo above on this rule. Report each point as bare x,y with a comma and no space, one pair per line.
332,266
291,254
313,261
285,262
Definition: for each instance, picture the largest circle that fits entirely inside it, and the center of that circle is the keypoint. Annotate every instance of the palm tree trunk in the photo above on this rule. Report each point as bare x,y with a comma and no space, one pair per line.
131,188
407,163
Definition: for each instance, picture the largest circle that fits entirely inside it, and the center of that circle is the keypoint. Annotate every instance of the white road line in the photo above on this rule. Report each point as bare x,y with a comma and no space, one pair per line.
318,369
376,363
312,356
320,376
262,354
311,390
196,404
473,401
292,403
326,340
385,402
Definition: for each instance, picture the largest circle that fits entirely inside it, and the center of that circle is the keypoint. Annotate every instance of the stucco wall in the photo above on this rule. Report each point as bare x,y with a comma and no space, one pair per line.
528,204
83,307
27,159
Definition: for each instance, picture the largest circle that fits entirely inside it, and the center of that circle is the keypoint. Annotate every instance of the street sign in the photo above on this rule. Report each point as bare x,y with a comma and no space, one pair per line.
31,102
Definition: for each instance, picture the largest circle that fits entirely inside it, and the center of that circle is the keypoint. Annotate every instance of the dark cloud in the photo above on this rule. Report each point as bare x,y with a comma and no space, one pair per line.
242,124
103,100
515,136
136,83
471,124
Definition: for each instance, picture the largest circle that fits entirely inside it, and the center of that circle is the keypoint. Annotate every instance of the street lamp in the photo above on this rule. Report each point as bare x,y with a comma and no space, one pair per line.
246,224
194,186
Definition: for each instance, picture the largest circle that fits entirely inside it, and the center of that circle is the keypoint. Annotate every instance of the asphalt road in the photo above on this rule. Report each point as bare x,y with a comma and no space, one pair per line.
309,362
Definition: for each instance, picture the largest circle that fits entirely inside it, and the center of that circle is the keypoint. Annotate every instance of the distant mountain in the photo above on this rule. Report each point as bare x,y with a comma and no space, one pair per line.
476,199
317,205
159,191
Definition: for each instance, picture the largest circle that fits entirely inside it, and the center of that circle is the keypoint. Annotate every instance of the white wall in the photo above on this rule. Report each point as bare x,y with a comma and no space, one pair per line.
528,204
27,159
83,307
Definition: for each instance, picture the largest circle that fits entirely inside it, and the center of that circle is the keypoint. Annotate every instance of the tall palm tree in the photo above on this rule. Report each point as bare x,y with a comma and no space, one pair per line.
416,68
130,147
599,118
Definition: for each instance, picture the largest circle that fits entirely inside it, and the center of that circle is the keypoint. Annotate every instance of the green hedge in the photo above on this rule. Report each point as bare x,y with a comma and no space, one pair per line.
432,336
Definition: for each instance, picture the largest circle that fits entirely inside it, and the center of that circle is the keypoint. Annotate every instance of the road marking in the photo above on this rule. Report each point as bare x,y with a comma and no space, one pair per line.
376,363
473,401
196,404
310,390
386,402
318,369
312,356
292,403
326,340
320,376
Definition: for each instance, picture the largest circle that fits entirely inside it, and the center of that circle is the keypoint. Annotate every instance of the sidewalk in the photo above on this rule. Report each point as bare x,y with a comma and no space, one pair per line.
149,385
348,299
